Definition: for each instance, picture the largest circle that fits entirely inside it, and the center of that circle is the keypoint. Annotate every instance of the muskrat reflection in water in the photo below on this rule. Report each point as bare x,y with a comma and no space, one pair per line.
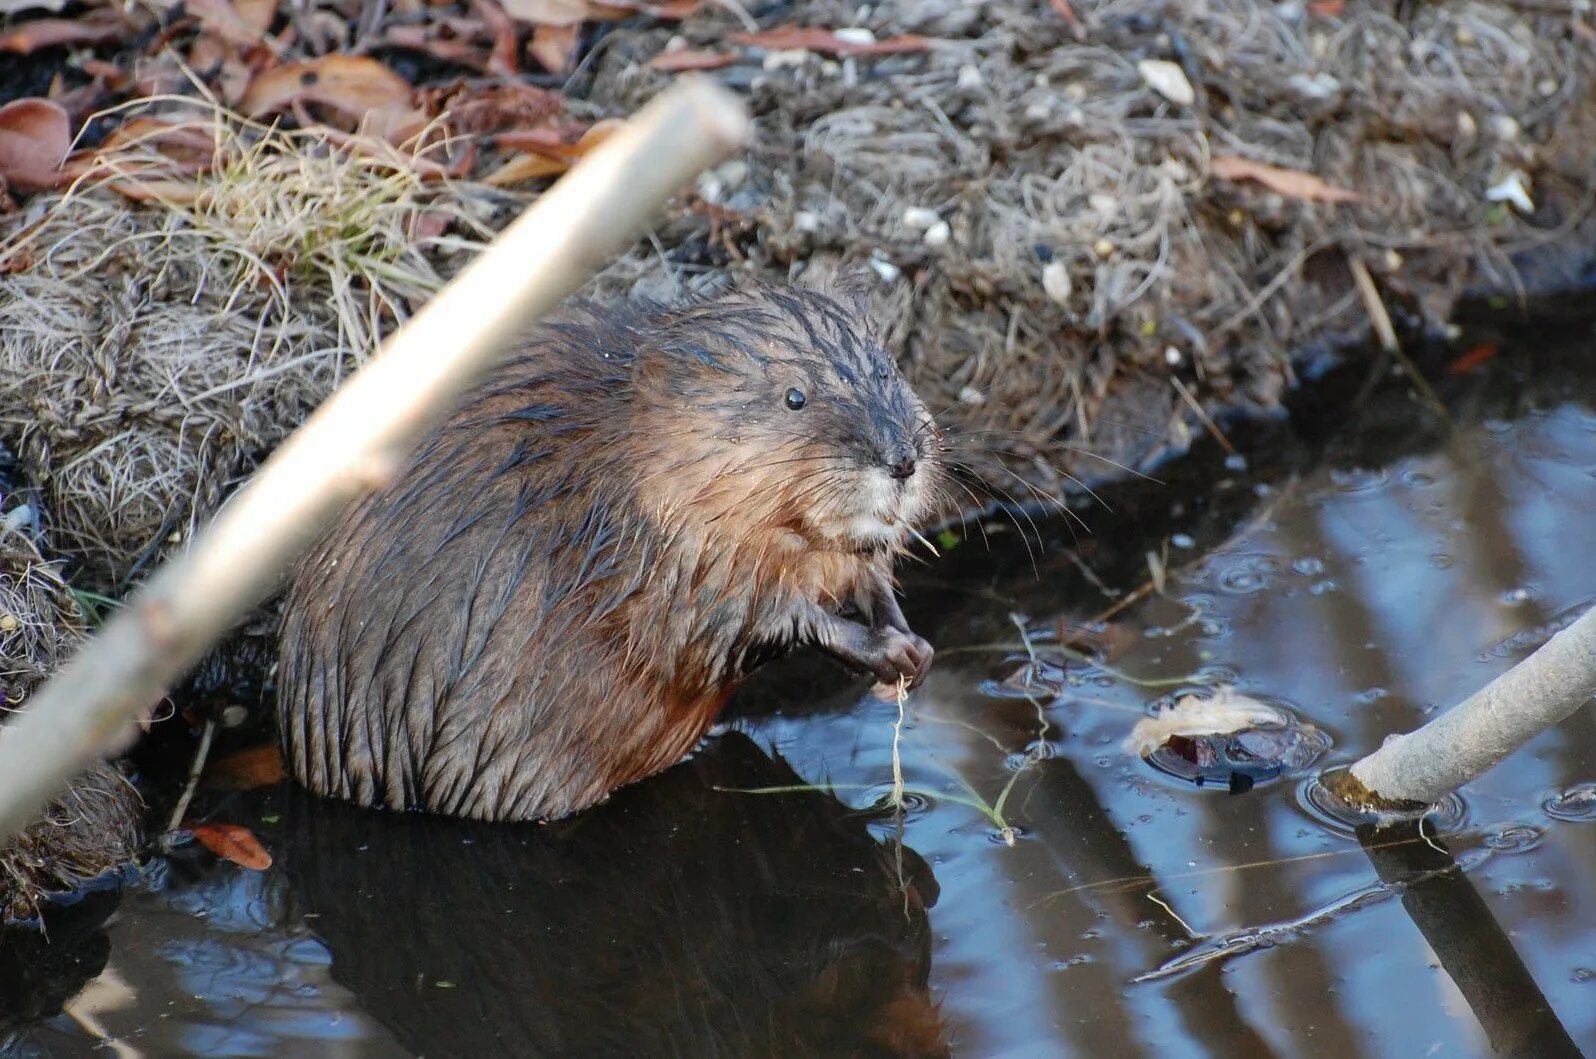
561,589
680,918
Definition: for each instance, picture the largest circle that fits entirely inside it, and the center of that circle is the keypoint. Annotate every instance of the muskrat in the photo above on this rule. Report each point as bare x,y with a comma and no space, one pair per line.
568,579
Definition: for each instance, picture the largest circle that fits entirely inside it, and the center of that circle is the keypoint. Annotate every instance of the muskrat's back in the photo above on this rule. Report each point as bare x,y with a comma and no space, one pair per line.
569,577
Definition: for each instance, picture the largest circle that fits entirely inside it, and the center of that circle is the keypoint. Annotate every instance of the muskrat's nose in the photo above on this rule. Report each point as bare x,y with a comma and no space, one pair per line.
903,467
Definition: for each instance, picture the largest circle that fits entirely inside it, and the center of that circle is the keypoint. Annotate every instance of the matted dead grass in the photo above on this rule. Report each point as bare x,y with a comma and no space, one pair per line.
94,825
152,355
1056,247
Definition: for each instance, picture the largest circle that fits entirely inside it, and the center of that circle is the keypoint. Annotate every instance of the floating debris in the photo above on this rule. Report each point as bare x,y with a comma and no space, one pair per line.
1228,740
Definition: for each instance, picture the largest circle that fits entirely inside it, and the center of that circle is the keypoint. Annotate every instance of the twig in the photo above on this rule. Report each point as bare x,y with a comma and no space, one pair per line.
355,441
1381,321
1203,416
897,736
195,770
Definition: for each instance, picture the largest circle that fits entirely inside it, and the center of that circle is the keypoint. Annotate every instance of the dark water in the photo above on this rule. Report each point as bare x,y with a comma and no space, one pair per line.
1364,572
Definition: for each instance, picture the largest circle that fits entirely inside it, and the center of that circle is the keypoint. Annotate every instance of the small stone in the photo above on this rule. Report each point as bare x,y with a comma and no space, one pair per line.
234,716
1393,261
1103,248
1512,189
1056,282
1102,202
855,35
1168,80
1172,356
1467,127
1546,86
938,234
806,221
970,76
1504,127
732,174
780,59
1039,110
1314,86
8,623
1464,36
831,68
971,396
19,517
676,43
1075,92
886,270
920,218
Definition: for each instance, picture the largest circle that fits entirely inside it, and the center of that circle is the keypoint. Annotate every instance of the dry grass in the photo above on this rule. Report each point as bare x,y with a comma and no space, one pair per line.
151,356
1036,147
93,826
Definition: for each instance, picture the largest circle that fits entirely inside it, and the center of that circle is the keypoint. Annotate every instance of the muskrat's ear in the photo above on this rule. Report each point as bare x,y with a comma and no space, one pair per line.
851,285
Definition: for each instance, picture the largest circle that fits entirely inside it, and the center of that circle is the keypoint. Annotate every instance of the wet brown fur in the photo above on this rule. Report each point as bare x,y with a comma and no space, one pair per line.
568,580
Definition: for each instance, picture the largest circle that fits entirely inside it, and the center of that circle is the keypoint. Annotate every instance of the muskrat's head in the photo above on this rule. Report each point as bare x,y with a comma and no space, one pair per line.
784,408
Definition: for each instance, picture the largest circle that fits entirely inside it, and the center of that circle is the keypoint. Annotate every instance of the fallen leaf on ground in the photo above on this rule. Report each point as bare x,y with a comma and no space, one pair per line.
227,22
1327,8
232,842
549,12
52,32
554,47
259,766
690,59
1292,183
353,84
813,38
549,152
496,108
35,135
504,60
1480,354
1066,11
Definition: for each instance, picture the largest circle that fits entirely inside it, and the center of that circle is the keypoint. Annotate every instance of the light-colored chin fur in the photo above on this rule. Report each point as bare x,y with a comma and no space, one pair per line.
879,515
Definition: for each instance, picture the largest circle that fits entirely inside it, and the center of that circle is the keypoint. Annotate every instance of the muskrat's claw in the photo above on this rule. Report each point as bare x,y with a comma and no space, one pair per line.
903,656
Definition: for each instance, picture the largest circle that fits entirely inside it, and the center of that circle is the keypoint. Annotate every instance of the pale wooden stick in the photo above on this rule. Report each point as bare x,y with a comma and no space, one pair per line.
355,441
1426,765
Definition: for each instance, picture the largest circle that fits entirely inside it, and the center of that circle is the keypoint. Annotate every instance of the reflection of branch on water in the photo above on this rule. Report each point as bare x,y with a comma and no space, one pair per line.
1251,939
1471,945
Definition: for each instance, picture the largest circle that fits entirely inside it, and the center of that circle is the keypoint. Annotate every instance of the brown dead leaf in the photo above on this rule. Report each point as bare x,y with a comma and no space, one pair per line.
51,32
352,84
257,14
449,49
1292,183
504,60
259,766
689,59
476,111
224,21
554,47
667,10
232,842
1327,8
549,12
813,38
35,135
1066,11
549,152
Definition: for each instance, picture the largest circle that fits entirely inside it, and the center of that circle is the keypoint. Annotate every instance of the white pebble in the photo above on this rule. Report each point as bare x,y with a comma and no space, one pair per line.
806,221
1103,248
793,57
938,234
854,35
1056,282
885,269
1102,202
1172,356
19,517
970,395
1314,86
1514,189
919,218
1504,127
1039,110
1168,80
676,43
970,76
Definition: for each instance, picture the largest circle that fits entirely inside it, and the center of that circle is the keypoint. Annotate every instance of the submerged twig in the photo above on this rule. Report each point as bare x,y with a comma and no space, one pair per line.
195,770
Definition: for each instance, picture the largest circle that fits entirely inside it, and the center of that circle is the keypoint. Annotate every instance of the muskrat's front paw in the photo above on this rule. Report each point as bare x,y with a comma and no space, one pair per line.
904,656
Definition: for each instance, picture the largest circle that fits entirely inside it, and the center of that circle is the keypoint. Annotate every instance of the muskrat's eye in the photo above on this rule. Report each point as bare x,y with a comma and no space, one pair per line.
796,399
